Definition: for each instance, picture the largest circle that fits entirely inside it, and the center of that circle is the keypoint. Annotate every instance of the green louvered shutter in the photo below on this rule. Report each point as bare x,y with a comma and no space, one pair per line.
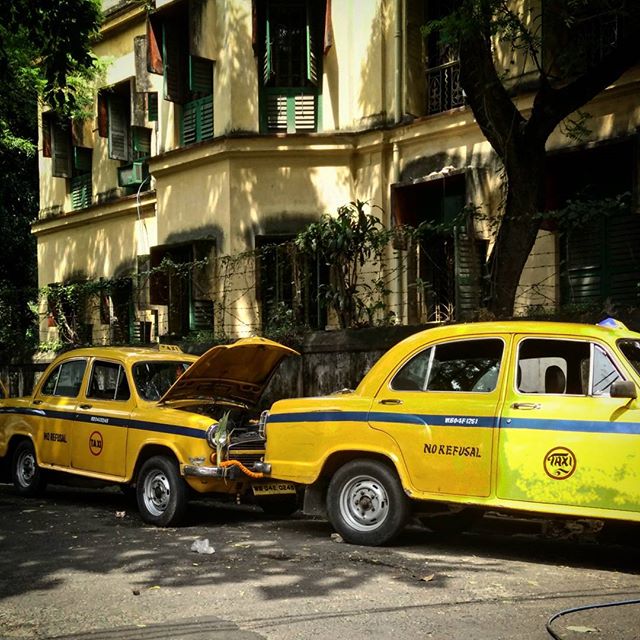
602,261
118,129
174,52
152,106
312,62
267,71
61,151
81,191
141,142
200,76
197,121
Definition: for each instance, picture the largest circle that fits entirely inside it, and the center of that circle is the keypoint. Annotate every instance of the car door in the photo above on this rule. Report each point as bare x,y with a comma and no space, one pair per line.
53,409
99,440
563,439
440,405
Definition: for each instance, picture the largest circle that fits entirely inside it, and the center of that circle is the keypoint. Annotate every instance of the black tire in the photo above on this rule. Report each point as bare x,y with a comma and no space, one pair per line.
28,478
162,494
452,523
366,504
279,507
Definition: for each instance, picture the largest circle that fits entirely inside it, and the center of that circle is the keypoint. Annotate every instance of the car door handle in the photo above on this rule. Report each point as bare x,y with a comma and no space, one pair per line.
526,405
85,406
37,402
391,401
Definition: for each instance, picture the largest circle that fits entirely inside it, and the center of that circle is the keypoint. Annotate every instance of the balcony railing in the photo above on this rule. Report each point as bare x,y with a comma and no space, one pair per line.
597,38
444,90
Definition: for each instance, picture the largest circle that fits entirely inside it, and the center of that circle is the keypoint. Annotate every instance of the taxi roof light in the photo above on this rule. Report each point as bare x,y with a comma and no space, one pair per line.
172,348
611,323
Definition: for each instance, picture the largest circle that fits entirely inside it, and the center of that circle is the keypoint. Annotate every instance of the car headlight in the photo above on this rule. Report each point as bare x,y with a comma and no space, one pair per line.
211,434
262,423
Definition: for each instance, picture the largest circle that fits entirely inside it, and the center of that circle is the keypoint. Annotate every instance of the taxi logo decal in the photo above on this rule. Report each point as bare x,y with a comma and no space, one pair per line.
95,443
560,463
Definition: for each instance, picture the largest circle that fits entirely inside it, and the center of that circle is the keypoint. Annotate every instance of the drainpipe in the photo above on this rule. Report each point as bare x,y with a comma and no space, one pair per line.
401,285
399,101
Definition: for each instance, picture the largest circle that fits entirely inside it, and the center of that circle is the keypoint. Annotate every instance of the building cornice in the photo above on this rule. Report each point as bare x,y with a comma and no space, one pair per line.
128,206
253,146
121,18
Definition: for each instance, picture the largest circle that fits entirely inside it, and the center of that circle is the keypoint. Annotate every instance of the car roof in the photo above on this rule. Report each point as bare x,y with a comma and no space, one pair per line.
604,332
611,331
128,354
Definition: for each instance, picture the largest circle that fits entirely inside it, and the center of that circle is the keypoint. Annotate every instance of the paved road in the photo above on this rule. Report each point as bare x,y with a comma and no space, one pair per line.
71,566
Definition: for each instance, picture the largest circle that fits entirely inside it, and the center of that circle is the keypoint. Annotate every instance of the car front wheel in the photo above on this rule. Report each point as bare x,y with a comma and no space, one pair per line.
28,478
366,503
162,494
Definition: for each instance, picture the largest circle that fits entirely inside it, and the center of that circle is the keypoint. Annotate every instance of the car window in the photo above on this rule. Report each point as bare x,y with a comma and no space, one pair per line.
464,365
604,372
108,382
631,351
571,367
153,378
65,380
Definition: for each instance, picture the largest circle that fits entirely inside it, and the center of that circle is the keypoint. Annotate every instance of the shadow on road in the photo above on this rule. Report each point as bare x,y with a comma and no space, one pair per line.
99,532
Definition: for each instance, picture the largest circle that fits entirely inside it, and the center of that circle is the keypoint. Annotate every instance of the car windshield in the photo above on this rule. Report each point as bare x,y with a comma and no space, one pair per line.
631,351
153,378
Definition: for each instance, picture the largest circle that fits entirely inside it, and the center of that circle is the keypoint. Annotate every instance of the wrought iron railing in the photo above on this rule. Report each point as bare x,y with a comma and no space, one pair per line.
444,90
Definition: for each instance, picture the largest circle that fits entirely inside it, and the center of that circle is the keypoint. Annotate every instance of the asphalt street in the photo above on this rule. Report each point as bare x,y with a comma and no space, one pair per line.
81,564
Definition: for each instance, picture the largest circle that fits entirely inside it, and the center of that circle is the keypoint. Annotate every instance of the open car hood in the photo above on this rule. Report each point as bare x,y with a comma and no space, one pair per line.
239,372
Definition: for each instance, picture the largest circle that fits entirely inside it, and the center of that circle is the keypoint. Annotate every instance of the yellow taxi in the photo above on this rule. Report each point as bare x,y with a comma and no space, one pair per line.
456,420
155,420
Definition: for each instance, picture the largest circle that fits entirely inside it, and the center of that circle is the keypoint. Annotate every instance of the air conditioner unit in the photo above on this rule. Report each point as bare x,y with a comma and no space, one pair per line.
134,174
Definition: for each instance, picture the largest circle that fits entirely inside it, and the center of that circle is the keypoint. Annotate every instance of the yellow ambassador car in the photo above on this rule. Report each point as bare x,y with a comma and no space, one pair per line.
157,420
529,416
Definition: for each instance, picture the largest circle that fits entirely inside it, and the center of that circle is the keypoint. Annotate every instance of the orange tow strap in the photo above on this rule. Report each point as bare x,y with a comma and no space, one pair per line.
237,463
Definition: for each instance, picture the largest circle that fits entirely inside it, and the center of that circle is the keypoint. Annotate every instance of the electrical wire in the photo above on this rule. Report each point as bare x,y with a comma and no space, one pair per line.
586,607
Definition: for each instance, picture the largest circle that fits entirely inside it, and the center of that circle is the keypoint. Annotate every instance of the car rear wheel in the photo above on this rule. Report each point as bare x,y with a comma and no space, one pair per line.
28,478
366,504
162,494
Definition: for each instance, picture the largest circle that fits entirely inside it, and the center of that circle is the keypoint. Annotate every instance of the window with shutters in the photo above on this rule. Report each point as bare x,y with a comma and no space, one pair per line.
68,160
129,144
188,79
599,260
182,286
81,179
56,144
290,282
445,265
594,32
197,112
291,32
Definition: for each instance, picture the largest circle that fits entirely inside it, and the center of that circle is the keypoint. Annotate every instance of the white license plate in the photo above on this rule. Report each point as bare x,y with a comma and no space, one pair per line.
273,488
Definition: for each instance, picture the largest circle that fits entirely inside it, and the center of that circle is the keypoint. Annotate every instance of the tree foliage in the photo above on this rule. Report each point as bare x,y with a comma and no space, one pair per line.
347,242
44,55
566,69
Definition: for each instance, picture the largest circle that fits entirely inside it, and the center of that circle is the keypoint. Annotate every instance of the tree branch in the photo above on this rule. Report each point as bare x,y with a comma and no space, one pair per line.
495,113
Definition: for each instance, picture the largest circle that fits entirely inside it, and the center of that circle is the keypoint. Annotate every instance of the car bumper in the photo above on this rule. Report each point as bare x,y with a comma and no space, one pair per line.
230,473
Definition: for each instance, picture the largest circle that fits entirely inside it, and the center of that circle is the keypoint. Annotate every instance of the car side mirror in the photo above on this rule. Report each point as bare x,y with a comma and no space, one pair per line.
623,389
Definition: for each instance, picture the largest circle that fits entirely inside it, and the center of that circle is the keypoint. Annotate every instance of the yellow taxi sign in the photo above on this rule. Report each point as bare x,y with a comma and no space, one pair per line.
171,348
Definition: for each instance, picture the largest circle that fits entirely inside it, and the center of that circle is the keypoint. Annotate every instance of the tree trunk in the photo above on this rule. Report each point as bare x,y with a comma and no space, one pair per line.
519,227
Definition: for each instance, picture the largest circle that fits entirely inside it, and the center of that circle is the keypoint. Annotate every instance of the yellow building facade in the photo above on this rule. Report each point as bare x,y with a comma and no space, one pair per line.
225,126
